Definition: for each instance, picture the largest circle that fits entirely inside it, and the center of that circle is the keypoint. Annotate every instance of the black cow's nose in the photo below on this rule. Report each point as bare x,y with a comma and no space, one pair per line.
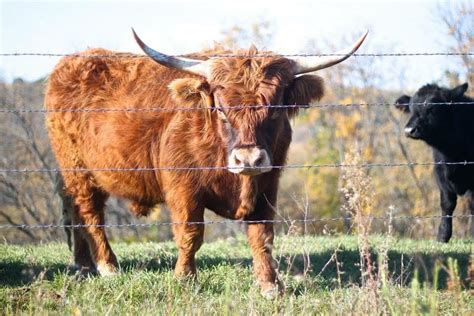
408,130
411,132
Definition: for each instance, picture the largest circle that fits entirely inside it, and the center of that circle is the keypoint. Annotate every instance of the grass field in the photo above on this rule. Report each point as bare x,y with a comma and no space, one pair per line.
421,279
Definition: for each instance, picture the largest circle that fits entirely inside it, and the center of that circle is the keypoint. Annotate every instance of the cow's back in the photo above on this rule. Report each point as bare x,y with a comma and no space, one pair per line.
104,79
86,131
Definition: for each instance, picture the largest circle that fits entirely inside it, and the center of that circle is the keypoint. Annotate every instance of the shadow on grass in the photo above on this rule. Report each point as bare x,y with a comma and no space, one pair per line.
401,267
17,273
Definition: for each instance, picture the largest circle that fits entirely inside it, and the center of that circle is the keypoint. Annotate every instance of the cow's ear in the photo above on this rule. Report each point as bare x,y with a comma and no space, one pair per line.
302,91
191,92
459,90
402,103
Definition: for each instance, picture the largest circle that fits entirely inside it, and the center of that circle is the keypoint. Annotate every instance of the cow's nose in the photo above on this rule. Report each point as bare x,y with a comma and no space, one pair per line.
249,161
411,132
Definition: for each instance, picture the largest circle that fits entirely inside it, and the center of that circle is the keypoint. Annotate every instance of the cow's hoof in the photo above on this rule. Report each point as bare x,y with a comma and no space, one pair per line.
106,269
186,279
271,291
443,239
185,272
84,271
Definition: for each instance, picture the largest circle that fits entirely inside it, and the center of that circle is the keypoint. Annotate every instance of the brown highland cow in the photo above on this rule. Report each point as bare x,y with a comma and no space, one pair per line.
245,142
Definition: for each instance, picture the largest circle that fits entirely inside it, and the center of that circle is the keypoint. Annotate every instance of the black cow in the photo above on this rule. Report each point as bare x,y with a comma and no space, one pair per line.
449,130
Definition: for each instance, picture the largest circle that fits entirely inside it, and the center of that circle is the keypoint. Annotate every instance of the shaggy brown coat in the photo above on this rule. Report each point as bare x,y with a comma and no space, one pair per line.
199,138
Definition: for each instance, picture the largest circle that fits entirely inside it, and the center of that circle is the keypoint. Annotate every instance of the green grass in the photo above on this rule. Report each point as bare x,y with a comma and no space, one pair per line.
36,279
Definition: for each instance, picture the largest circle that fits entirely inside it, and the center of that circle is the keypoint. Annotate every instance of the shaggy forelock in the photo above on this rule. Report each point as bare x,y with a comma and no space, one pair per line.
251,115
250,80
250,72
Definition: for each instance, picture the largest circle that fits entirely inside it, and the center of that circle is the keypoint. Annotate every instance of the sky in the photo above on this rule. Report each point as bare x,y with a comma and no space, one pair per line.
179,26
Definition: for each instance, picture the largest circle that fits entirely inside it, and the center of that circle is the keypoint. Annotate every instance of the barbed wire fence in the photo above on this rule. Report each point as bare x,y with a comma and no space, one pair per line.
130,55
7,109
177,168
10,108
239,222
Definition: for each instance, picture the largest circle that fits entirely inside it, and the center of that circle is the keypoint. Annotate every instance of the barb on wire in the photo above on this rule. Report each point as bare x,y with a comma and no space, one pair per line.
175,168
7,109
263,55
274,221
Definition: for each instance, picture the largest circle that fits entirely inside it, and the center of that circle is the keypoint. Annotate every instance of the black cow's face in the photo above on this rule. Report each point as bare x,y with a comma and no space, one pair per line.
430,112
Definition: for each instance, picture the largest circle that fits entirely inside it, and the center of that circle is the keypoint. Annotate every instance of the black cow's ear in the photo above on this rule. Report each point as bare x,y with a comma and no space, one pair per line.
402,103
459,90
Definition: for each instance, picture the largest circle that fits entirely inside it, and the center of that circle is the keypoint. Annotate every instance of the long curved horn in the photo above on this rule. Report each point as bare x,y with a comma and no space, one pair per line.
193,66
309,64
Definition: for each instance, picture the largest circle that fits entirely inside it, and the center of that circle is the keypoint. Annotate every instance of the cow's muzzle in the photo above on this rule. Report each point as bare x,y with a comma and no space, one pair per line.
412,132
249,161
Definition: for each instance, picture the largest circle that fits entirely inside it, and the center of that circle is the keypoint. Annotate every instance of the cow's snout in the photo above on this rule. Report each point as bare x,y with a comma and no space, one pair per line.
249,161
412,132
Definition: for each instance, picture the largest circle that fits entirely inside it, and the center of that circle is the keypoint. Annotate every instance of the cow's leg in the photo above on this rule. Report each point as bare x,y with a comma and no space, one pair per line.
448,201
260,236
471,208
91,247
67,206
76,239
188,237
82,255
90,211
182,197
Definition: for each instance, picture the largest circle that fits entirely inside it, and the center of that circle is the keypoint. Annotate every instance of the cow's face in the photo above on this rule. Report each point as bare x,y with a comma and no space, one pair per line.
239,91
431,117
247,131
242,88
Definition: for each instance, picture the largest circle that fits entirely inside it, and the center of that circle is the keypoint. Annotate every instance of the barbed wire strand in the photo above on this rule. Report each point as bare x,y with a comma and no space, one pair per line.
275,221
263,55
174,168
6,109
